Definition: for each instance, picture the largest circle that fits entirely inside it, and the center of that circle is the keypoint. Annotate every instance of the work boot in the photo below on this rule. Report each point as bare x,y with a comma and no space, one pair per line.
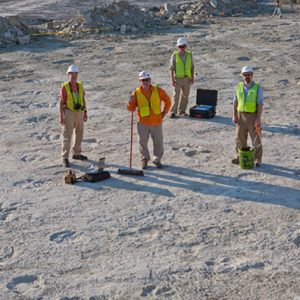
144,164
236,161
257,164
79,157
66,163
158,164
172,116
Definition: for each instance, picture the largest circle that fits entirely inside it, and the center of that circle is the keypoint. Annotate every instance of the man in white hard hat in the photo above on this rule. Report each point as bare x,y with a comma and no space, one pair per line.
182,77
247,110
277,10
147,98
72,115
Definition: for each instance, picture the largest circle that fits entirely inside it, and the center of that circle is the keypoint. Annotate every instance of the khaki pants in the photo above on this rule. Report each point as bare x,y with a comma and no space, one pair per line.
277,11
245,125
183,85
73,120
157,137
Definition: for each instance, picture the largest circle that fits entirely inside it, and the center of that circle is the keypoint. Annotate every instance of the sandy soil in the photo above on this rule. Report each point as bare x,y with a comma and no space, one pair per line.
201,228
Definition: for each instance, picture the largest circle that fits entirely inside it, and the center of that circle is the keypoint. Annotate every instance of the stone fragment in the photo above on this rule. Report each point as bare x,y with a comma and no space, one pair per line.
214,3
23,40
123,29
7,34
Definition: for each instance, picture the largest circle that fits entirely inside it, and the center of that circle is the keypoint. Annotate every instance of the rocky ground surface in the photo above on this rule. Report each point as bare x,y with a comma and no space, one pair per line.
201,228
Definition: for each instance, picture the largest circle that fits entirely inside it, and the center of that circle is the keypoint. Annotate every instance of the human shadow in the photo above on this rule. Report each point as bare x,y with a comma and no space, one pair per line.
279,171
237,187
219,185
118,183
281,129
133,186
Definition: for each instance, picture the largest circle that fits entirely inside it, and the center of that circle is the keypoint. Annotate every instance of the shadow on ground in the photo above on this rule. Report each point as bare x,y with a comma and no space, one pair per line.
211,184
281,129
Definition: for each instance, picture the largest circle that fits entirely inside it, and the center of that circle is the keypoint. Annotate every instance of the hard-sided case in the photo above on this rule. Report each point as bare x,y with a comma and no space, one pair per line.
206,104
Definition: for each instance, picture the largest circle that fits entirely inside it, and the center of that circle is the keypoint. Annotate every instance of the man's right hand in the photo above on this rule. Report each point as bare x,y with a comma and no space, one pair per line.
131,99
173,82
234,119
62,120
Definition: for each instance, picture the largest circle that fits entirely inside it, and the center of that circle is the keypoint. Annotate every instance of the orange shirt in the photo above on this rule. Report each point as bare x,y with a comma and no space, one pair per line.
152,119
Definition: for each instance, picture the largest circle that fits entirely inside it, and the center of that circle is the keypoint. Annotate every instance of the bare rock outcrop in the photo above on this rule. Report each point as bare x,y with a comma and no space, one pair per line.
13,30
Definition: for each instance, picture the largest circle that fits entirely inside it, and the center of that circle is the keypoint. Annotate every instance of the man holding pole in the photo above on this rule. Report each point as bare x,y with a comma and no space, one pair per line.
147,98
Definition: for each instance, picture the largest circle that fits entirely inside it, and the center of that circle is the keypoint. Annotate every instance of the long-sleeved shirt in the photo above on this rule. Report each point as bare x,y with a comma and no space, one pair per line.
152,119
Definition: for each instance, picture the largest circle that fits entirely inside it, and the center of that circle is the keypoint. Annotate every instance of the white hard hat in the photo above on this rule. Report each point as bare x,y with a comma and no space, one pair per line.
144,75
181,41
73,68
246,69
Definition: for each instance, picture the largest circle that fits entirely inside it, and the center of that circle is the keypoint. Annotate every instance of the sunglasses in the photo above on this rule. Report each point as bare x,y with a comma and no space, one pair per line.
145,80
181,47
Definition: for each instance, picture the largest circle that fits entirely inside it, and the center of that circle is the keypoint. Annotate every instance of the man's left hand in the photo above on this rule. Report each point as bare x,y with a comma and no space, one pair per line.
85,117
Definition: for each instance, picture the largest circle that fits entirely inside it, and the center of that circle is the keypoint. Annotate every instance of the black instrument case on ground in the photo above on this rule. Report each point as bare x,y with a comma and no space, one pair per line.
206,104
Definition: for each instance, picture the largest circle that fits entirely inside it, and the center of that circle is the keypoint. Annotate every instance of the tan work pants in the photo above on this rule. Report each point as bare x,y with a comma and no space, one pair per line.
157,137
182,87
73,120
245,125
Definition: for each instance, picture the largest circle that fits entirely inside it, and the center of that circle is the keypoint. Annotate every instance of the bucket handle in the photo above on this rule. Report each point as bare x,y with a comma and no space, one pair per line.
257,134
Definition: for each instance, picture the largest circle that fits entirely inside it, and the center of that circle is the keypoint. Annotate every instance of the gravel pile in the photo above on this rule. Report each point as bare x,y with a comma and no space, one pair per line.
195,12
126,18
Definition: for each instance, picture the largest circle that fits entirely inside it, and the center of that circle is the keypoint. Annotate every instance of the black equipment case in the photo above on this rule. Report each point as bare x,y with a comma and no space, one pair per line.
95,177
206,104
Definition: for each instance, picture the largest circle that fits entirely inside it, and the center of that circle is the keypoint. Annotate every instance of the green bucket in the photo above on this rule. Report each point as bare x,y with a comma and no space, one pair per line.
246,158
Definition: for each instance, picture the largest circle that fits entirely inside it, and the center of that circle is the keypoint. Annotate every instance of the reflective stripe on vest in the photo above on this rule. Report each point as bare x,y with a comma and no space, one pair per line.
183,69
247,104
72,99
143,102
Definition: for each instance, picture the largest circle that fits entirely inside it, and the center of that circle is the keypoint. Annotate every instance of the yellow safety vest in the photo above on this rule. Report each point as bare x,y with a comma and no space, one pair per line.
247,104
74,100
144,103
183,69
